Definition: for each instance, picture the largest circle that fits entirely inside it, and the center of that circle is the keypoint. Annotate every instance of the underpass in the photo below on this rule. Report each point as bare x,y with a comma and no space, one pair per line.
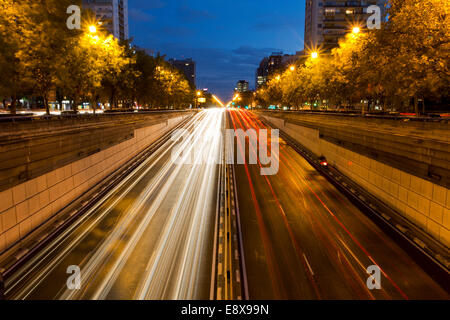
150,237
304,239
182,223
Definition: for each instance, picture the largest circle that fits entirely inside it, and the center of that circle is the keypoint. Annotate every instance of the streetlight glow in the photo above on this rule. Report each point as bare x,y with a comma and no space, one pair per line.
315,55
292,68
92,29
356,30
218,100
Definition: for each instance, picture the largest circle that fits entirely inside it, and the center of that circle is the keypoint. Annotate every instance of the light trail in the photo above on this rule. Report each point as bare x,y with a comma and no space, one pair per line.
171,209
218,100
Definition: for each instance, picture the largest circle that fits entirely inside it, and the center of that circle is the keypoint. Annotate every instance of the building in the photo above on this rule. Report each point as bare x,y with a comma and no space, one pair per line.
113,14
186,66
242,86
274,64
328,21
268,66
262,73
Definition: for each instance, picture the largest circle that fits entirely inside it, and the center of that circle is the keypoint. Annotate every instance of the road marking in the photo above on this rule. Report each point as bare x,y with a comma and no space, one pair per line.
307,263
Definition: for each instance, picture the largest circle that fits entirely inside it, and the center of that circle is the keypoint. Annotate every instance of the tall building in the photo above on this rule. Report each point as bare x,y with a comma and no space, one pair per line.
262,73
242,86
328,21
113,14
276,63
187,66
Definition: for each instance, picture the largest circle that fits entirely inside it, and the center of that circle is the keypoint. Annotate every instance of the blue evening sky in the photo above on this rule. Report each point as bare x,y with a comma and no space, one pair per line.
227,38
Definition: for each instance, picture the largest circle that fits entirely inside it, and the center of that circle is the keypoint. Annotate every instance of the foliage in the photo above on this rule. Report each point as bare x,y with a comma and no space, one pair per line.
39,54
408,58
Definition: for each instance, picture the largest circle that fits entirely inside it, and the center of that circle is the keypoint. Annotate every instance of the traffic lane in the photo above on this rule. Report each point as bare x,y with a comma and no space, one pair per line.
259,281
49,274
275,270
355,232
49,281
130,278
296,279
335,255
170,270
402,277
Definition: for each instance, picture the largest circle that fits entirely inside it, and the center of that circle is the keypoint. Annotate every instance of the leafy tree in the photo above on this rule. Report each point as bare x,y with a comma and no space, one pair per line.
12,81
44,35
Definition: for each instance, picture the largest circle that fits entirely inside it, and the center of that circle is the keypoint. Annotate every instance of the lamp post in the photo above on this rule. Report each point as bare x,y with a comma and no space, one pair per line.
198,93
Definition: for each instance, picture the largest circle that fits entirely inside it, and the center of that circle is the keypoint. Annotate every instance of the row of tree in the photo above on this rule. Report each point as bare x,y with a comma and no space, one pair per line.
40,56
406,60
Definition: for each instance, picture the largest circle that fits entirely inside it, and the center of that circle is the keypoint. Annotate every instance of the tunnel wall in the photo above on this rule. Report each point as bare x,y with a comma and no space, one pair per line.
27,205
420,201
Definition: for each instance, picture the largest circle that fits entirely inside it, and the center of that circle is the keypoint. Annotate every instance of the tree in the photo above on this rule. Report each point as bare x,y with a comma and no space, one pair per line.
82,71
44,37
420,51
12,80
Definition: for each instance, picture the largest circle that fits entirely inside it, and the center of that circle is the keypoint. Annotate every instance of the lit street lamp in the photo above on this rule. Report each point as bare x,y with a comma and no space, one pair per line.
199,93
92,29
356,30
315,55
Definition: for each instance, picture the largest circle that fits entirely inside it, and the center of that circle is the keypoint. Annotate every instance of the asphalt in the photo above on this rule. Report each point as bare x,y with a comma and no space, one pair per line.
150,238
303,239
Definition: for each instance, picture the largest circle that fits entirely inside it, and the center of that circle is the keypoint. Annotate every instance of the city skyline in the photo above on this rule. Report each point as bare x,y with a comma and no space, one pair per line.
224,52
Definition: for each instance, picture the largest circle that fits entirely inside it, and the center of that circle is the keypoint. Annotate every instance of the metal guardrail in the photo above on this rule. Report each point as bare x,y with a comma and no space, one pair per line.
231,277
19,118
431,118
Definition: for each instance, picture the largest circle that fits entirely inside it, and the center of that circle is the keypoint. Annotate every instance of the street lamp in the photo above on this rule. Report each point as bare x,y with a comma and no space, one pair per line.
292,68
356,30
315,55
199,93
92,29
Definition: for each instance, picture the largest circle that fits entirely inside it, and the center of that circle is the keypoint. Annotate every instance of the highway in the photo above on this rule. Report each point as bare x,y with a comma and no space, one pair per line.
151,237
303,239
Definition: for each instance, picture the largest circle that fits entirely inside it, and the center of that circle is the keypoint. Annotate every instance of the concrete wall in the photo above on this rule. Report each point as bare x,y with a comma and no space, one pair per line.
30,148
26,206
424,203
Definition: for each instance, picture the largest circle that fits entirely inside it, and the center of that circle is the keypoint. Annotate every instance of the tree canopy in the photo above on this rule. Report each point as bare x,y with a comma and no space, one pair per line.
407,59
40,55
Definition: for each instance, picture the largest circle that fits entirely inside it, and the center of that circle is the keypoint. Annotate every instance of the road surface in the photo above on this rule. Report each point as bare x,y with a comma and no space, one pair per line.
149,238
304,240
